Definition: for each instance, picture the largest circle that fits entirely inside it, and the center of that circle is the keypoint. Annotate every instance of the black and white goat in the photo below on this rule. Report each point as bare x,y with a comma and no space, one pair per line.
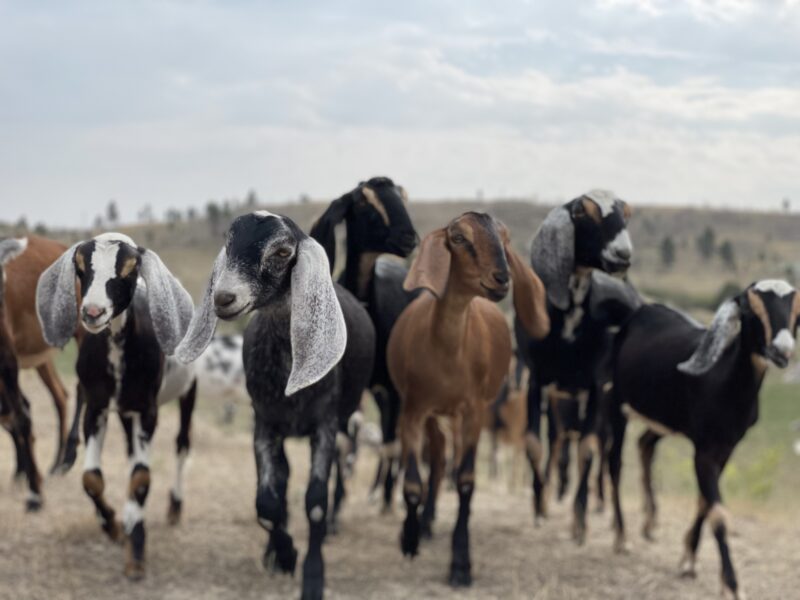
377,223
308,353
221,371
135,313
15,413
703,384
572,250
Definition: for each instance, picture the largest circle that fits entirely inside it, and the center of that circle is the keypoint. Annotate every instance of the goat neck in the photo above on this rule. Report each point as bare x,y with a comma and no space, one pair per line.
359,269
449,317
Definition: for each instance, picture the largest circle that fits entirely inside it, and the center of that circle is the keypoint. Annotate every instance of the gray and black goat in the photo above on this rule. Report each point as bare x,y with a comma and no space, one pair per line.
703,384
135,313
308,353
573,250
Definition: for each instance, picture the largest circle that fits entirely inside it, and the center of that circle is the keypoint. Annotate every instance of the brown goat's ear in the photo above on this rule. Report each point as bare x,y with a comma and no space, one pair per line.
627,211
431,267
529,296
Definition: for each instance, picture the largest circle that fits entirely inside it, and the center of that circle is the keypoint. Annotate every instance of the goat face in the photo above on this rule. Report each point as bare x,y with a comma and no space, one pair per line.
770,310
261,250
601,235
380,219
478,255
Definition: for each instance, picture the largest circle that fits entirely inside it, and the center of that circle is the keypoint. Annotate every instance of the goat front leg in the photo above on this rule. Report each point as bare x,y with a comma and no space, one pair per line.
533,447
647,451
461,565
182,444
323,448
139,429
17,422
436,451
708,468
273,476
73,438
618,424
94,432
411,437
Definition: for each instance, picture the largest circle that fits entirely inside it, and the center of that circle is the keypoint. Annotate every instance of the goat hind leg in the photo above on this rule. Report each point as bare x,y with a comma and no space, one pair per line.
436,450
461,566
647,450
49,376
533,447
94,430
411,437
182,445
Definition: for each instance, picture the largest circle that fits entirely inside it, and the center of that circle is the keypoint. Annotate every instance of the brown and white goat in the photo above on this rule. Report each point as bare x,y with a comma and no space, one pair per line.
25,333
448,354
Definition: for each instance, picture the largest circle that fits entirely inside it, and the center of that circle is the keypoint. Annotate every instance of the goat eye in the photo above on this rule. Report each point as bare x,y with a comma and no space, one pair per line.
459,239
283,253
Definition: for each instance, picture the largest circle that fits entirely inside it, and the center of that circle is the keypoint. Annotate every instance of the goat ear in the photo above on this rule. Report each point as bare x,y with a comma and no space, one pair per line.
612,300
170,305
553,255
431,267
11,248
723,330
530,299
56,300
317,328
324,229
204,320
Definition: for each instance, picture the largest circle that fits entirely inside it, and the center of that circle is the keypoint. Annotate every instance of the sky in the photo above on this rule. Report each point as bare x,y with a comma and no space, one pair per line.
175,103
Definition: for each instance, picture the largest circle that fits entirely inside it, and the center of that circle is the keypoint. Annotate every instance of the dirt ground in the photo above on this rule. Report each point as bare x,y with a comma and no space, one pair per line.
215,552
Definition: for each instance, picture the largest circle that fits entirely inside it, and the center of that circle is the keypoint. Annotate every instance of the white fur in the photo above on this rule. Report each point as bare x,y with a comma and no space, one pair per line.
11,248
776,286
605,200
316,514
265,214
659,428
784,342
141,446
103,265
724,328
177,488
177,380
621,244
132,514
231,281
94,445
579,287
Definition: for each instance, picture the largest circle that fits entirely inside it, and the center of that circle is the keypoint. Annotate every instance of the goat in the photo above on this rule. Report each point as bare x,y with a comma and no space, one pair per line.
15,414
506,420
377,222
26,335
308,353
134,312
703,384
220,368
576,241
448,355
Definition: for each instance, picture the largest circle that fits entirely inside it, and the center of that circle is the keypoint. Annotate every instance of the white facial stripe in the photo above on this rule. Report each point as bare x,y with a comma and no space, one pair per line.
105,238
784,342
776,286
620,245
265,214
604,199
103,265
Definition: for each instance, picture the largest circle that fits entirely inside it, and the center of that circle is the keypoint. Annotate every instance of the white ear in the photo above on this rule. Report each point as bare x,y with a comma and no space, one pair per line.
723,330
11,248
318,330
553,255
204,321
56,303
170,304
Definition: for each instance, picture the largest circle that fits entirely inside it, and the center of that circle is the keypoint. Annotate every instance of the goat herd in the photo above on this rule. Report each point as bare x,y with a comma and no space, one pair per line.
596,354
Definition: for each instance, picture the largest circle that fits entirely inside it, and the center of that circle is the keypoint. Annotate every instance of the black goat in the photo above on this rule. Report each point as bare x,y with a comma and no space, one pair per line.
135,312
576,243
15,410
377,222
308,353
703,384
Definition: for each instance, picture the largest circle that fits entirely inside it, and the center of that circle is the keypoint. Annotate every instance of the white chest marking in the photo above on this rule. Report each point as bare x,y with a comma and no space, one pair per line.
579,287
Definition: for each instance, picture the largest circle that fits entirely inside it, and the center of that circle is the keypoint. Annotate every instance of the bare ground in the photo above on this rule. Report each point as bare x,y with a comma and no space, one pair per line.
215,552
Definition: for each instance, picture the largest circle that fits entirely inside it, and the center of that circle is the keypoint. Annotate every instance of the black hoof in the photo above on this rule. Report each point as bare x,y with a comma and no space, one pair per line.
285,562
174,511
312,590
409,540
70,455
33,504
460,576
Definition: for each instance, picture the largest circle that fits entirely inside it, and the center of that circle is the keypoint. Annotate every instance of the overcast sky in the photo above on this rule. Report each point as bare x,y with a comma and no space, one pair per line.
173,103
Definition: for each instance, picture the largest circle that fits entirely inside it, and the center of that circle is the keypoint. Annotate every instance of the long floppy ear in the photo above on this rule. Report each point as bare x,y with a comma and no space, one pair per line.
431,267
723,330
204,321
170,305
530,297
553,255
324,229
612,300
11,248
318,330
56,302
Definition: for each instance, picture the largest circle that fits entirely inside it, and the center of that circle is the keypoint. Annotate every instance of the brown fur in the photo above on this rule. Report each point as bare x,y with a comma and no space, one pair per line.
592,210
757,306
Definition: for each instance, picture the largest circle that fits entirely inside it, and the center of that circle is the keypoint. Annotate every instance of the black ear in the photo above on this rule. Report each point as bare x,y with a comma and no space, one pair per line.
323,230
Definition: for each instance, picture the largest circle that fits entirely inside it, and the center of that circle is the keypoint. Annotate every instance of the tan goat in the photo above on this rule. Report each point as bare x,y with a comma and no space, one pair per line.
448,354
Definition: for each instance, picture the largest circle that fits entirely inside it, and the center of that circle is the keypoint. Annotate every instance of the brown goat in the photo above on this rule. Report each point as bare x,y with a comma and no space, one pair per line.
448,354
506,422
26,332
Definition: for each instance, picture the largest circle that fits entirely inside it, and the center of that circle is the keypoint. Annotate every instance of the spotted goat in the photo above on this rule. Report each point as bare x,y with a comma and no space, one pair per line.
573,250
134,312
681,378
308,353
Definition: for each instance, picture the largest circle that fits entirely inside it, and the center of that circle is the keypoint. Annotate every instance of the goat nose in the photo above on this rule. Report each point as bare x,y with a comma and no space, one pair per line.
223,299
623,253
501,277
93,311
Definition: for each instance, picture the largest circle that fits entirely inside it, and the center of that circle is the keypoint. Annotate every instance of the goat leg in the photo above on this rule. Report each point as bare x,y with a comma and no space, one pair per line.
182,445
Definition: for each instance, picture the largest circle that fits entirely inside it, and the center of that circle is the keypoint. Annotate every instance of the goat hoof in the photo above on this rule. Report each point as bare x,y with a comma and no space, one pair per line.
284,562
460,575
174,511
134,570
409,544
425,530
730,594
33,503
621,545
312,590
579,534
